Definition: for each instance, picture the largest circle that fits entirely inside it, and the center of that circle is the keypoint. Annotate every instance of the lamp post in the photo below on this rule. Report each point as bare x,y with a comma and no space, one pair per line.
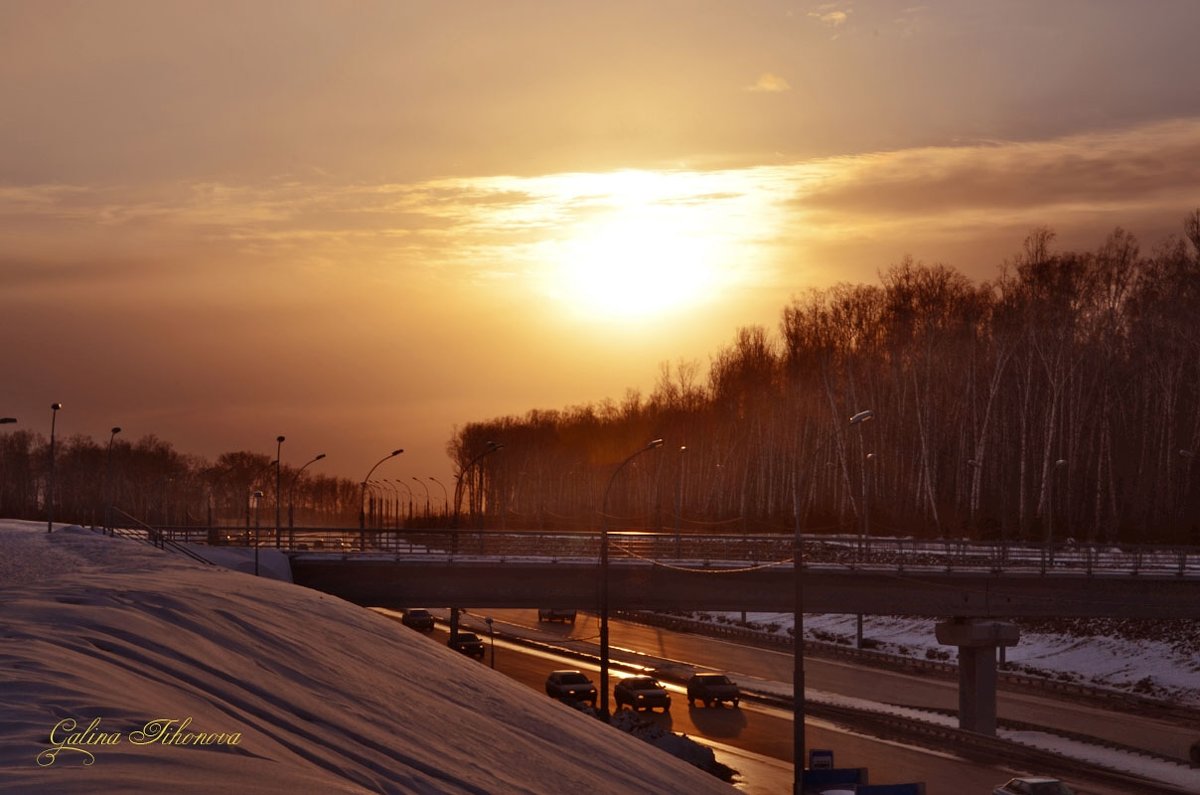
445,495
489,447
422,484
409,492
384,483
864,541
604,713
278,491
7,420
292,496
679,502
362,497
797,648
256,497
491,640
108,480
54,407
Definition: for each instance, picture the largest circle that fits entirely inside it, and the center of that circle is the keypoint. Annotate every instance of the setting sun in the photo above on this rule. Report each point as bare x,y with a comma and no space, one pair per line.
631,265
639,245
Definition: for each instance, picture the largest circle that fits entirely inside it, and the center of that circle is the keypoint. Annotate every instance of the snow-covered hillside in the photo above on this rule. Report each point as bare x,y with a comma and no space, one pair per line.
125,669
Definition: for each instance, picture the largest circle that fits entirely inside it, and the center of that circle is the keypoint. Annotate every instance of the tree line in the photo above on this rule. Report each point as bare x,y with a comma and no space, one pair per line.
152,482
1055,402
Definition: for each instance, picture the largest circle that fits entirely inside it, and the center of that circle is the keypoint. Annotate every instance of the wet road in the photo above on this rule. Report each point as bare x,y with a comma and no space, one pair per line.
755,739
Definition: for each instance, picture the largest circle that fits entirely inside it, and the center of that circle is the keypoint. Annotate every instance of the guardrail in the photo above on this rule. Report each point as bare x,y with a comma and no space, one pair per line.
717,550
151,535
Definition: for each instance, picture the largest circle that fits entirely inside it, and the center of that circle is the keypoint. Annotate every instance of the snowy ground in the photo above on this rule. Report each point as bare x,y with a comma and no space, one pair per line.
126,669
1154,659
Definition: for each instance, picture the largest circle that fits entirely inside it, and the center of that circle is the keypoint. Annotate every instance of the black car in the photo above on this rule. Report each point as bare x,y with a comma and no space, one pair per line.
571,686
468,643
712,689
641,692
418,619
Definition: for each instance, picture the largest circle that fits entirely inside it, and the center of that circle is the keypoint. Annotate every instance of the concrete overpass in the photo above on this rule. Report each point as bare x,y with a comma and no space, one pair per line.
975,589
642,585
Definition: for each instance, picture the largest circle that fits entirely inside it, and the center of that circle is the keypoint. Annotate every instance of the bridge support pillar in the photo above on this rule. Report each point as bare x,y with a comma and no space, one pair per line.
977,642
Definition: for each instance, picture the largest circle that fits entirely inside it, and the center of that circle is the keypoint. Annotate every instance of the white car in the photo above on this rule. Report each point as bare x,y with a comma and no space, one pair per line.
1033,785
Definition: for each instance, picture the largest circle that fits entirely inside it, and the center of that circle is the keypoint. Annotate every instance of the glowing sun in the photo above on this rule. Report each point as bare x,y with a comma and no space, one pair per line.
633,264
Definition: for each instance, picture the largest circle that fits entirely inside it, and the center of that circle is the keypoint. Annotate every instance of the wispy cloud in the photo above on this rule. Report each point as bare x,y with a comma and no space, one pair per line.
769,83
831,14
474,229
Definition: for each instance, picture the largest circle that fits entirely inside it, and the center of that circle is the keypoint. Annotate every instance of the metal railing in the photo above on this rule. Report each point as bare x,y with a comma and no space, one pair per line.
156,537
715,550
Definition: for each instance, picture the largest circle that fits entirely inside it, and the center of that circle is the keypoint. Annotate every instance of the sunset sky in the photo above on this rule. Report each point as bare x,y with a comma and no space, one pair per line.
360,224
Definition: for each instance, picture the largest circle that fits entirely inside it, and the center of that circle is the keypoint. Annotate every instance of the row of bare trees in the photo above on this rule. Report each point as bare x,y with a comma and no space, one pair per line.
151,481
1058,401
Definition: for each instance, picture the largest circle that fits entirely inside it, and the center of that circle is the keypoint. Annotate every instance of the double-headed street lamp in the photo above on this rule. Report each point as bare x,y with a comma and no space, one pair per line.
292,488
489,447
604,713
362,498
54,407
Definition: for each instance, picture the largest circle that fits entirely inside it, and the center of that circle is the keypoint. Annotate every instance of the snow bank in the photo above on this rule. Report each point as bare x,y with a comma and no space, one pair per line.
131,670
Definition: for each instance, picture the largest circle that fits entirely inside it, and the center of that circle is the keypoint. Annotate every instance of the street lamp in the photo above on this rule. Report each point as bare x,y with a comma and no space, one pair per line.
292,496
384,483
255,497
362,497
858,419
7,420
679,501
445,495
489,447
278,492
491,640
54,407
422,483
604,713
409,492
108,480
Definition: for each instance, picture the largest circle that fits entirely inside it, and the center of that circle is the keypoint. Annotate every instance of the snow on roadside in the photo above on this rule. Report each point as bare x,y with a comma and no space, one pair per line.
1093,653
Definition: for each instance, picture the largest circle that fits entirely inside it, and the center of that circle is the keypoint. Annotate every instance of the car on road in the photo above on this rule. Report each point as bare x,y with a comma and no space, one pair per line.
418,619
713,689
641,692
555,614
571,686
1033,785
468,643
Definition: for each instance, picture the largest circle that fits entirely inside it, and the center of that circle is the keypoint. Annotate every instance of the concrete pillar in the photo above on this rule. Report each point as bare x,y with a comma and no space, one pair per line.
977,641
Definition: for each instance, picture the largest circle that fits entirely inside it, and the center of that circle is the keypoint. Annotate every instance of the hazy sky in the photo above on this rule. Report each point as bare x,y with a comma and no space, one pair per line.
360,224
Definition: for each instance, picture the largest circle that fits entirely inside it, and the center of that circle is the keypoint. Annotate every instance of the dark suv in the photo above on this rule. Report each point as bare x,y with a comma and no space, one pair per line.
418,619
555,614
468,643
712,689
641,692
571,686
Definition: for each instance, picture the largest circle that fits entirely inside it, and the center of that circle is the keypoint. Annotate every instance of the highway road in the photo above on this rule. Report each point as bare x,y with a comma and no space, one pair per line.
756,739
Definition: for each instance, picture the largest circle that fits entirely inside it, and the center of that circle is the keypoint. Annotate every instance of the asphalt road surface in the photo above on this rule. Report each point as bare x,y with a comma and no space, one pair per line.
756,740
